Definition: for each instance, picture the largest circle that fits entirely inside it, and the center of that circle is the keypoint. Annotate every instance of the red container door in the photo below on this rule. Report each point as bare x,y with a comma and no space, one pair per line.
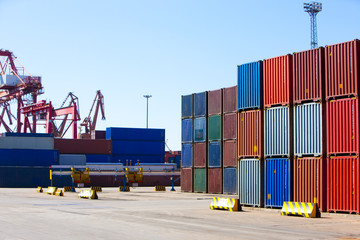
229,99
342,69
186,180
250,134
230,153
309,181
343,184
230,126
215,180
278,81
200,155
343,126
215,102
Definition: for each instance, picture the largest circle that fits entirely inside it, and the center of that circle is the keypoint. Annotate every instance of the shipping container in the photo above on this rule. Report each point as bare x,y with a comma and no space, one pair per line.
308,129
200,154
25,177
215,155
28,157
98,134
230,153
200,104
250,134
342,118
186,130
82,146
186,180
250,81
72,159
187,106
16,134
98,158
309,75
138,147
229,99
230,181
278,81
133,159
200,129
251,182
342,64
27,142
200,180
343,184
187,155
214,128
230,126
215,102
215,180
136,134
278,181
310,181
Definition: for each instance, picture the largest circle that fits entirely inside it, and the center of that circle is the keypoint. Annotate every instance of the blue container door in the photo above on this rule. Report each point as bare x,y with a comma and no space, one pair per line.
200,129
200,104
186,130
187,155
278,186
230,181
177,161
214,157
186,106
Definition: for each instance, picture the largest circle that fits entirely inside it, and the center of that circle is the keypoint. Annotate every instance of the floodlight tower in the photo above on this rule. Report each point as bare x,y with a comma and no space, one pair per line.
147,109
313,8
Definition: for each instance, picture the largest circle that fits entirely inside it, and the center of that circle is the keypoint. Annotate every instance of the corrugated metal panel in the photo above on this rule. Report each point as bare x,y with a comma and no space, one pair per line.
310,181
186,180
277,131
215,155
229,99
230,153
250,182
278,80
27,142
215,102
186,130
200,129
214,128
215,180
230,181
342,118
278,182
187,103
309,73
138,147
250,80
98,134
28,157
250,134
187,155
133,159
200,180
72,159
136,134
343,184
230,126
200,154
82,146
24,177
98,158
15,134
308,129
342,69
200,104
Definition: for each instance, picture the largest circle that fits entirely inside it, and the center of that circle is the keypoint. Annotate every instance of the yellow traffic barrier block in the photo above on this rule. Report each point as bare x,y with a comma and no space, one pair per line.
306,209
160,188
39,189
96,188
67,189
230,204
121,189
59,192
88,193
51,190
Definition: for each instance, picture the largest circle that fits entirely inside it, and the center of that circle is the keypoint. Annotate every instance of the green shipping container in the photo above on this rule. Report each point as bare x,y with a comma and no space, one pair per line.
214,129
200,180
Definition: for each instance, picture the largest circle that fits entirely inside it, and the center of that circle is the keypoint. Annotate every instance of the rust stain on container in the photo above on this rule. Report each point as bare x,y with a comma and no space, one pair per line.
83,146
200,154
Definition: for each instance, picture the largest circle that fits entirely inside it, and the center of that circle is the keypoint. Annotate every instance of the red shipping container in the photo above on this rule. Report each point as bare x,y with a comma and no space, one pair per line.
342,69
342,118
230,126
250,134
278,81
308,72
230,153
230,99
83,146
200,154
186,180
343,184
309,181
215,102
215,180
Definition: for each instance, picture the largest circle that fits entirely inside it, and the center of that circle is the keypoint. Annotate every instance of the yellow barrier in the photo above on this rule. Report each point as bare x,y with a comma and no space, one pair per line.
160,188
96,188
59,192
230,204
51,190
88,193
127,189
67,189
39,189
309,210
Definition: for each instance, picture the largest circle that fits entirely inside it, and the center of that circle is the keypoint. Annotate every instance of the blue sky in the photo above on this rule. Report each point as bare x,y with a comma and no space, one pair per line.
163,48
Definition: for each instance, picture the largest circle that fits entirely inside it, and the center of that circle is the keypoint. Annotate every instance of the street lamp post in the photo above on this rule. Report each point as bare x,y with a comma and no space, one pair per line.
147,109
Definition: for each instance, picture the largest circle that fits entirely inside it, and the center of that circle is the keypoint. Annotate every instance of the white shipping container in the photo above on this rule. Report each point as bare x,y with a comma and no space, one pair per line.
72,159
27,142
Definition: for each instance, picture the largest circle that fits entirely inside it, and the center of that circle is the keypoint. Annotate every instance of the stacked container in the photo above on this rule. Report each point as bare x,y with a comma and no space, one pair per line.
342,111
250,133
278,82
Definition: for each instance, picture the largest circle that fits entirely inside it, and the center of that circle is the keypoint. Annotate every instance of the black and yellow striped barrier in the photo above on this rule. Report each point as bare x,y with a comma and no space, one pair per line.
59,192
51,190
88,193
121,189
230,204
39,189
309,210
160,188
67,189
96,188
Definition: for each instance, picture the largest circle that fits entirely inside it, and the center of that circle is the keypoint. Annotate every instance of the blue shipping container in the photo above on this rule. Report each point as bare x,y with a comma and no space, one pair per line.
143,134
135,158
278,184
200,104
186,130
61,181
187,155
250,84
13,134
230,181
214,155
177,161
200,129
28,157
187,106
138,147
98,158
24,177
